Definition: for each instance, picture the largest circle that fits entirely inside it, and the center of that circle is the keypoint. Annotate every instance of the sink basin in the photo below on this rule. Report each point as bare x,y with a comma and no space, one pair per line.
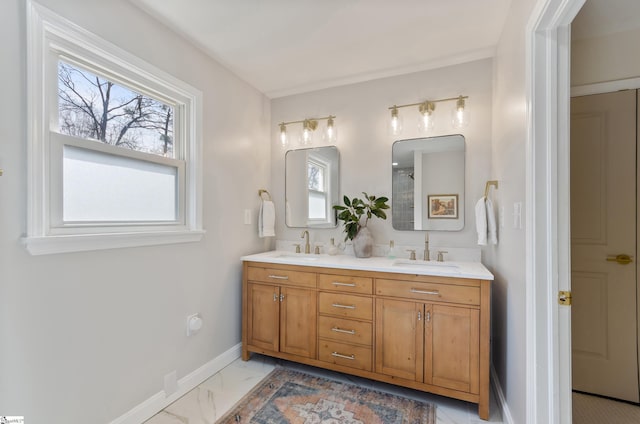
427,266
297,256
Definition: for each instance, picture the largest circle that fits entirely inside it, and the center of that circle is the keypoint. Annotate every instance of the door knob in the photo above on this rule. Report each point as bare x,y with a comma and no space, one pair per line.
621,259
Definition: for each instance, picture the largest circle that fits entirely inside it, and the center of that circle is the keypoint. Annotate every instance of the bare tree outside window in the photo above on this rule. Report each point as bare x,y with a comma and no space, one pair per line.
92,107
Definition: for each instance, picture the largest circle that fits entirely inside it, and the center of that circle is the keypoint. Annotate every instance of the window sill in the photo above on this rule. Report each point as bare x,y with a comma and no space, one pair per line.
49,245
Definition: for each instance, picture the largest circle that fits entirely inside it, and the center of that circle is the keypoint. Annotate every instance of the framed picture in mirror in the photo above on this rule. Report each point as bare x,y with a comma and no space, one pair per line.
443,206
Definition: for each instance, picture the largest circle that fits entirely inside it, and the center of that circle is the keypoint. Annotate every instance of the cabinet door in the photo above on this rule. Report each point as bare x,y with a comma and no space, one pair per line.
452,347
262,316
298,315
399,338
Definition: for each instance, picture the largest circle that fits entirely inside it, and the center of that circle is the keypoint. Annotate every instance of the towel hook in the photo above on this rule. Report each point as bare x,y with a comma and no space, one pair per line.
489,184
263,191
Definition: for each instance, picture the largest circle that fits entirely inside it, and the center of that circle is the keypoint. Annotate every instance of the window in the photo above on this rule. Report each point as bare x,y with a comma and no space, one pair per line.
317,188
113,145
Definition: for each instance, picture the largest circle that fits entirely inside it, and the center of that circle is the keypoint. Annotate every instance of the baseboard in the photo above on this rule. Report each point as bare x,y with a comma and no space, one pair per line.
502,401
159,401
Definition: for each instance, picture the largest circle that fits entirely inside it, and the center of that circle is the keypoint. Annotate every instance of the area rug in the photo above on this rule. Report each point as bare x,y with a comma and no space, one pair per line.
287,396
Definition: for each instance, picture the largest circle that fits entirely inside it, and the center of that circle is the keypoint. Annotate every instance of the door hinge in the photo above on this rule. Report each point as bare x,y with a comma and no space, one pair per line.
564,298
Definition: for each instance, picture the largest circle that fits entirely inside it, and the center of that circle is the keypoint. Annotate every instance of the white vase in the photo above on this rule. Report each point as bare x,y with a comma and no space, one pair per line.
363,243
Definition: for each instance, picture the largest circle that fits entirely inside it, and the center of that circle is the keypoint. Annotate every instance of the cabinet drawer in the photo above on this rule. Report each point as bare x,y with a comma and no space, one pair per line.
281,276
345,283
428,291
346,305
345,330
345,354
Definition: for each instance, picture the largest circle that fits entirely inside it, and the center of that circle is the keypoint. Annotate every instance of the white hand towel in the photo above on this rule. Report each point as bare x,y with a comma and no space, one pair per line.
492,232
481,221
267,219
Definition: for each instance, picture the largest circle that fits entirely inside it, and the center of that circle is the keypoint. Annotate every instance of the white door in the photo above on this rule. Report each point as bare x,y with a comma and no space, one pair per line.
603,225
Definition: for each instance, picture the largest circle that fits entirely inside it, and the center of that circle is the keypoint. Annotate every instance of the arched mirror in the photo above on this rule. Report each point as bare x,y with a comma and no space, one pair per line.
428,183
312,181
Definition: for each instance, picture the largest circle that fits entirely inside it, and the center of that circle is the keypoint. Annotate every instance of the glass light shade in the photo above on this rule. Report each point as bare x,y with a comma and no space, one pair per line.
283,136
460,115
426,121
330,134
306,136
395,125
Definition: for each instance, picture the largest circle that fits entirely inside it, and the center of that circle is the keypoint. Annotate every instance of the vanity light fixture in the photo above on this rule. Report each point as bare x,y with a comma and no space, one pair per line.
459,115
309,125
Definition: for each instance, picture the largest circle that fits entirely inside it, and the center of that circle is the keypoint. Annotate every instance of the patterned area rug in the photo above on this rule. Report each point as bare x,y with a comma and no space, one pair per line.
287,396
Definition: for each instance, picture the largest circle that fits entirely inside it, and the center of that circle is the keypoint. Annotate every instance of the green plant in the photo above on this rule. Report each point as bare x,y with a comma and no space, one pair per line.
353,210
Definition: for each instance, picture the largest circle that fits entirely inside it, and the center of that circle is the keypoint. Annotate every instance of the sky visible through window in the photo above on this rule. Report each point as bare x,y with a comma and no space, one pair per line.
92,107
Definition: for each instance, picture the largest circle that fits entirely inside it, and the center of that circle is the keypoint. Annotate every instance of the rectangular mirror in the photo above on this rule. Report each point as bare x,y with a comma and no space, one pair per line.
428,184
312,182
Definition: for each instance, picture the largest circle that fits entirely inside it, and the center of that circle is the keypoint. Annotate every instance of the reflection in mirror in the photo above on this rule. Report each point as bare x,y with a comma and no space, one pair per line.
428,184
311,187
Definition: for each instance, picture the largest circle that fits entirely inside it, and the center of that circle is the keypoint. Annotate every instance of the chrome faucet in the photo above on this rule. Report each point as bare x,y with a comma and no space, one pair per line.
412,256
307,246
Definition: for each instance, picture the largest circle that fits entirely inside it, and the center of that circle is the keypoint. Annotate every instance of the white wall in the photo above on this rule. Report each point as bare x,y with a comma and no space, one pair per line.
84,337
508,160
607,58
365,144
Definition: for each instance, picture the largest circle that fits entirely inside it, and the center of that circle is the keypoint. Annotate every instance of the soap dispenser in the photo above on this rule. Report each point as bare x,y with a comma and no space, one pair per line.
392,250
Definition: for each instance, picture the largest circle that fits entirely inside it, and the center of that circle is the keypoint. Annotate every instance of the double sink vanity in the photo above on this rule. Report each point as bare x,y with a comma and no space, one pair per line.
418,324
423,325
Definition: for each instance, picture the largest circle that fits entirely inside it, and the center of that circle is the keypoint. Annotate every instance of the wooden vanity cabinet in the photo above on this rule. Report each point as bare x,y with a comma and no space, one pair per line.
429,343
279,311
345,324
423,332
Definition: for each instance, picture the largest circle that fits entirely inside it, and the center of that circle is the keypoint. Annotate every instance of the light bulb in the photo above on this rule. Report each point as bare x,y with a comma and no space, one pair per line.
283,136
395,126
426,122
459,115
330,134
308,126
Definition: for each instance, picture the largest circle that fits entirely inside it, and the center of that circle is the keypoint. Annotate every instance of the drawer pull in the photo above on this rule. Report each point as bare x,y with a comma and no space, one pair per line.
340,330
338,283
337,305
339,355
279,277
435,292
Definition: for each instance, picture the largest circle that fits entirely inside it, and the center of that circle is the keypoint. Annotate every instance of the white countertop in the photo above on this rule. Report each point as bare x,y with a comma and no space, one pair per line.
403,266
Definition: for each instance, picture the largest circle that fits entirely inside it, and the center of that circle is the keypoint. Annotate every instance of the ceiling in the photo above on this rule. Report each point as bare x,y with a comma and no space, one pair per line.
283,47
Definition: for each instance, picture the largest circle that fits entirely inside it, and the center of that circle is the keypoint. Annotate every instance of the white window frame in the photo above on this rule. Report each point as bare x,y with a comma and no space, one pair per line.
49,38
326,193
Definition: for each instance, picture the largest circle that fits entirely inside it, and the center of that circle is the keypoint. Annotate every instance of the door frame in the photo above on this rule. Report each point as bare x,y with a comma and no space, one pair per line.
548,325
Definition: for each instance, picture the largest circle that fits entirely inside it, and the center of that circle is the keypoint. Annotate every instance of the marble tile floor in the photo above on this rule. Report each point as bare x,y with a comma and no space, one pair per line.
215,396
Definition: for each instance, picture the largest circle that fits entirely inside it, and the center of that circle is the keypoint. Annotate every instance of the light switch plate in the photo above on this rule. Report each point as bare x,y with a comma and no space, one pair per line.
247,217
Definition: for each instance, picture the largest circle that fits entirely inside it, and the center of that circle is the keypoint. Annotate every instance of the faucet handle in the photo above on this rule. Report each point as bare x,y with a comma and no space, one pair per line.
412,257
297,245
440,255
317,248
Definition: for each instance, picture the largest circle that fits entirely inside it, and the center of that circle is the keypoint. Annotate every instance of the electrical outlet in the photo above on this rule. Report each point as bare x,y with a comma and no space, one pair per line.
170,383
194,324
